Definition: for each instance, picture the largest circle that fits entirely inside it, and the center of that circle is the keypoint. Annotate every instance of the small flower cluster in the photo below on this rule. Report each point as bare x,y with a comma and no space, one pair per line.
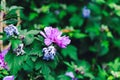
8,78
86,12
49,53
53,35
19,50
11,30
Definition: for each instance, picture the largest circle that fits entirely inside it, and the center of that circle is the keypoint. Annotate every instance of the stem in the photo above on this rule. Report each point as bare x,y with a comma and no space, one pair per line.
18,15
1,29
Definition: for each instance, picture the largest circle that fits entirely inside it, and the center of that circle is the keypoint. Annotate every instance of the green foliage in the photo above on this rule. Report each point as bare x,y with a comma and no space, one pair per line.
70,51
93,53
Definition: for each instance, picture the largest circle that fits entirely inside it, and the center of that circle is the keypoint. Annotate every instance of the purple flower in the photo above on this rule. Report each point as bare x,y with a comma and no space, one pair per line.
11,30
2,62
71,75
8,78
53,35
4,52
49,53
86,12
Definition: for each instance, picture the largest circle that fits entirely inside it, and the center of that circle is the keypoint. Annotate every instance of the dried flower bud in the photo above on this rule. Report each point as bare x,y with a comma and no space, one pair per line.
19,50
22,37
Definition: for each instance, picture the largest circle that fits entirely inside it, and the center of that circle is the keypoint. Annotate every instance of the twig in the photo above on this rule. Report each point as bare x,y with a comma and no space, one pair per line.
19,20
1,29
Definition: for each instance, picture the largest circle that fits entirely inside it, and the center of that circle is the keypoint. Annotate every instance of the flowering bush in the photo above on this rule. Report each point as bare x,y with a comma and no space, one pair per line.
59,40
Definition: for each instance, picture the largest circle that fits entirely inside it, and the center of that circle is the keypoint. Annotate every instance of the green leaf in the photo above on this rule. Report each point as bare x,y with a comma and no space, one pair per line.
72,9
28,65
79,35
75,20
70,51
49,78
14,62
38,65
33,32
33,16
63,77
28,39
104,47
36,49
45,69
15,43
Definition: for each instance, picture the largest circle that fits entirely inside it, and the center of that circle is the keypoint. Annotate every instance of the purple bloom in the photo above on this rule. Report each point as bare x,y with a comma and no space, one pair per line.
71,75
11,30
8,78
53,35
49,53
86,12
4,52
2,62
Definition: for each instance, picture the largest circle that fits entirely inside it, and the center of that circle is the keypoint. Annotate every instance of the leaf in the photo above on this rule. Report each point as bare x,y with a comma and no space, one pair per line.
63,77
45,69
75,20
28,65
15,43
49,78
72,9
89,75
70,51
33,32
36,49
32,16
14,62
28,39
79,35
104,47
38,65
29,36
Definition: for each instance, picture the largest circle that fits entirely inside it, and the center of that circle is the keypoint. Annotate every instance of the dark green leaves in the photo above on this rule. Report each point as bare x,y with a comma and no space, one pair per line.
14,62
29,36
70,51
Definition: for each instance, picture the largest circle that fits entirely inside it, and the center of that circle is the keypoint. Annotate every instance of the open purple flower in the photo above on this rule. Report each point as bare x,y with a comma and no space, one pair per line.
2,55
53,35
8,78
2,62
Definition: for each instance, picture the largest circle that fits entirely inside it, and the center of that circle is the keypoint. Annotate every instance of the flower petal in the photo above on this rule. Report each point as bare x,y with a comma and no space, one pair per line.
48,31
8,78
47,41
43,34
